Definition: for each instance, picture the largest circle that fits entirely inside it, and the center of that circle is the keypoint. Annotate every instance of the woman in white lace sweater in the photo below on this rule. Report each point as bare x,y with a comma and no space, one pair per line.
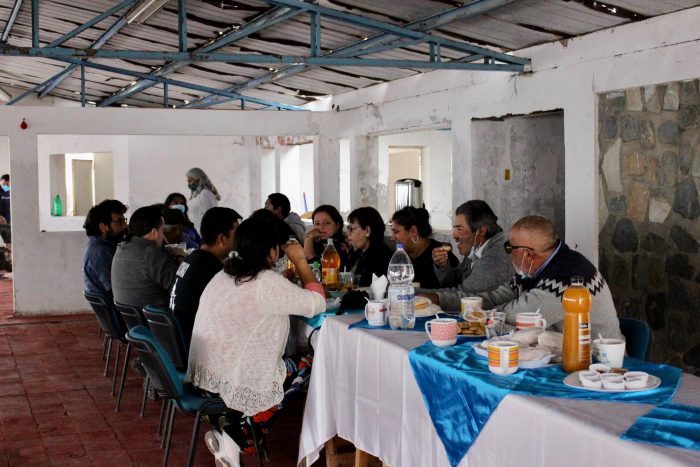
242,322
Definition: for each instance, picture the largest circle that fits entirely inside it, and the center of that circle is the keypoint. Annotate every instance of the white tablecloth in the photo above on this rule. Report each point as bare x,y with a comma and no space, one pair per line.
363,390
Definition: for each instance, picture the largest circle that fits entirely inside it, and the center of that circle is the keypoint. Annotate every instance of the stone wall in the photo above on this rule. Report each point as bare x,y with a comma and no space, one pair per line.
649,142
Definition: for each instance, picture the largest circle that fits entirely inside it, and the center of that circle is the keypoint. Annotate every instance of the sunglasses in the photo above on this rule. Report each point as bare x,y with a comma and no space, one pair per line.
509,247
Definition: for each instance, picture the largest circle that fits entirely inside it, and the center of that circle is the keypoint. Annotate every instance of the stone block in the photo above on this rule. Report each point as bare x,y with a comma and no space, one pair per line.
640,272
689,93
621,271
692,357
602,206
609,127
618,204
611,167
633,99
686,199
657,274
672,96
656,310
633,164
678,297
638,201
688,149
629,128
655,244
667,169
677,332
604,264
689,116
614,102
678,265
652,103
684,240
659,209
625,236
647,134
668,132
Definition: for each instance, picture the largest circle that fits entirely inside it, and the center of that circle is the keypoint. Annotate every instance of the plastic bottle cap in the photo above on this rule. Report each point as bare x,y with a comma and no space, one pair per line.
399,246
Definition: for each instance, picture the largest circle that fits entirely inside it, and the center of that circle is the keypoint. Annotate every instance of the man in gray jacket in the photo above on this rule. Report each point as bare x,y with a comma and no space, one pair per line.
279,204
142,273
485,265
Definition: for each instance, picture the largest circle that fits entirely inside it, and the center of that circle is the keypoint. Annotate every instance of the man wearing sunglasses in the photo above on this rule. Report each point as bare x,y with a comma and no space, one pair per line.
485,265
544,266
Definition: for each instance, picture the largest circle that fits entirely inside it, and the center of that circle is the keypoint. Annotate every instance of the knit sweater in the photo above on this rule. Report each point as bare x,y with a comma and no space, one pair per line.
544,292
484,273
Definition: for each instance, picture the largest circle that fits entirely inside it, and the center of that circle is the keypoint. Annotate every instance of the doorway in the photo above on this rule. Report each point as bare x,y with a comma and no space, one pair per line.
7,303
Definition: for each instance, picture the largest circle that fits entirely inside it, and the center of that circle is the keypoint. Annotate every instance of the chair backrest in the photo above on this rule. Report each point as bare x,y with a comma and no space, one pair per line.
638,336
106,315
159,368
133,316
166,328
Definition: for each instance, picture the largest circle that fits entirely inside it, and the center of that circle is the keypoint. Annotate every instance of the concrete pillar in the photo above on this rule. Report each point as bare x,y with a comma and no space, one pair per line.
462,183
327,171
364,155
254,150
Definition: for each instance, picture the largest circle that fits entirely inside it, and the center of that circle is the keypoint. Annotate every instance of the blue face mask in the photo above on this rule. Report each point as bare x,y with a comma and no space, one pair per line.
192,186
179,207
5,188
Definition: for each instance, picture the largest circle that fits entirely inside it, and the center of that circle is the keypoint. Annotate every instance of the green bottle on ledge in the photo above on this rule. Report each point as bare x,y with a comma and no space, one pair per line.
57,208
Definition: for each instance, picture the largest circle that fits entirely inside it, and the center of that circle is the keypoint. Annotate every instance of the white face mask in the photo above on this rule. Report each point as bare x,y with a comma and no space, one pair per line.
472,253
521,272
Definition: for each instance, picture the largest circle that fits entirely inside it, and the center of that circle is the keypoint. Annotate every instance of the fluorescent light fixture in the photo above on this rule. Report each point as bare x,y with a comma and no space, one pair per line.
145,10
4,96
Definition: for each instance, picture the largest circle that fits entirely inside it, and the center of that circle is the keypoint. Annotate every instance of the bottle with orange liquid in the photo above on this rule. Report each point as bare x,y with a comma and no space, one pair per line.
577,326
330,264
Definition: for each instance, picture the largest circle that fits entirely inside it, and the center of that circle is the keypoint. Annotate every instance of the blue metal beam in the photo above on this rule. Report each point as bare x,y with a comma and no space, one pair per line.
35,23
177,83
82,84
61,53
28,92
315,27
396,30
182,24
165,94
11,21
474,8
91,23
263,21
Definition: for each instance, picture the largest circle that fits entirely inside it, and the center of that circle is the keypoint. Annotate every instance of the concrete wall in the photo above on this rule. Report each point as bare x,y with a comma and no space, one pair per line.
47,264
532,149
5,155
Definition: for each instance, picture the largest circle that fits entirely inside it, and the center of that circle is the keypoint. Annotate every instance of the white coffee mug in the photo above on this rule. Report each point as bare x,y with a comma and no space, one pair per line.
375,312
530,320
442,331
504,357
609,351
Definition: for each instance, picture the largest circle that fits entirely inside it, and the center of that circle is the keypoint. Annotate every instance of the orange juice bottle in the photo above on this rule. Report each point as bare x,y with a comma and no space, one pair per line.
577,326
330,264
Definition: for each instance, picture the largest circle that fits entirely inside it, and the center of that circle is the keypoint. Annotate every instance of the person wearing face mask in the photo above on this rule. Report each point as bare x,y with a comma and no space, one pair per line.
105,226
204,195
142,273
544,266
485,265
190,235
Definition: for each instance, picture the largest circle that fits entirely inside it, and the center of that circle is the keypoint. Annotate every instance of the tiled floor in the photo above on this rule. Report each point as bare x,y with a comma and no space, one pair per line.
56,407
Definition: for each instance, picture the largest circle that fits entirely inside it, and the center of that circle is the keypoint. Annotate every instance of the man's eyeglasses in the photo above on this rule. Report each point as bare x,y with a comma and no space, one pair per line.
509,247
120,221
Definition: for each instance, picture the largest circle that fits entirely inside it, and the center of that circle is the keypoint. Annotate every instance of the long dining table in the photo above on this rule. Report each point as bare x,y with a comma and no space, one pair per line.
362,389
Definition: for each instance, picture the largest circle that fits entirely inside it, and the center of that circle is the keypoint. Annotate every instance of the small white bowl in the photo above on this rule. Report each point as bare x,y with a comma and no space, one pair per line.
599,367
637,375
592,383
635,383
614,383
610,375
588,375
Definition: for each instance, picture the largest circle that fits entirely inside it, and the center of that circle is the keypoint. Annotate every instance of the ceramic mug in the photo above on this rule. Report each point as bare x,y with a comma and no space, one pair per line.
529,320
504,357
442,331
375,312
609,351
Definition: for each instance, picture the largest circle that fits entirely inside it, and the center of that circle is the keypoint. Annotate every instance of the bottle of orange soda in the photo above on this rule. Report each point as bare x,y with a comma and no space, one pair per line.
330,264
577,326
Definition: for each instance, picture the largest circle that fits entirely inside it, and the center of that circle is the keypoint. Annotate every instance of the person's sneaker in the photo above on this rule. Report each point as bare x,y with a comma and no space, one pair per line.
137,366
225,450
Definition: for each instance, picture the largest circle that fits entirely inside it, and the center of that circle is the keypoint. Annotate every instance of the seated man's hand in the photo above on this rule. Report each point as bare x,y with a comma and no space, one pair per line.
440,257
431,296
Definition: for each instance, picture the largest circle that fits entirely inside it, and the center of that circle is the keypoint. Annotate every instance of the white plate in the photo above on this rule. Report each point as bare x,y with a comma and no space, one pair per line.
573,381
525,364
428,311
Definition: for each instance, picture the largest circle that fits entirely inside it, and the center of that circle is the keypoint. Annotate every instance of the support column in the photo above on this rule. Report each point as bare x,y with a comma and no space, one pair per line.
327,171
364,180
254,172
462,182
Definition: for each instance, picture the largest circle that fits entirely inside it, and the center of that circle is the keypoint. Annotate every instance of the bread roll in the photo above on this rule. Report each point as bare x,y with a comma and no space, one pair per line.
526,337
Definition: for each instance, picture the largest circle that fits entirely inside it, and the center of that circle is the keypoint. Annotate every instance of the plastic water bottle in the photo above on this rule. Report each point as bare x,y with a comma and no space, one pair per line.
402,296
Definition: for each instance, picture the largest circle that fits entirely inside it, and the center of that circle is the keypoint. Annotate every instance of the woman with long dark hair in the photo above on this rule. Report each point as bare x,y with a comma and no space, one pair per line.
370,254
242,326
328,223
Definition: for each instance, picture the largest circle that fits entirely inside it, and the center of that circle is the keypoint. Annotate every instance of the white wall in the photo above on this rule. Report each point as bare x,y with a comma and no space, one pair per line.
5,155
566,75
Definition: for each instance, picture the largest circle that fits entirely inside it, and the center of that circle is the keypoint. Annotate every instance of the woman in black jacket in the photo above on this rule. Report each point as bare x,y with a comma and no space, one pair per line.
369,252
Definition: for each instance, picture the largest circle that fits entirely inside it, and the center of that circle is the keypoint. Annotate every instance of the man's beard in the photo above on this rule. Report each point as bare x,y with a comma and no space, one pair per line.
115,238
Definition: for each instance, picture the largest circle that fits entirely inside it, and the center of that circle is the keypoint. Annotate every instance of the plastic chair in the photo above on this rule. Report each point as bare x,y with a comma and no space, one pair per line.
111,324
170,382
133,316
166,328
638,336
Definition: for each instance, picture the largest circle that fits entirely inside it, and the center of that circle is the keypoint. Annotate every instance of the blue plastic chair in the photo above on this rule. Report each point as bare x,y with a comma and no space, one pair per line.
170,382
166,328
638,336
